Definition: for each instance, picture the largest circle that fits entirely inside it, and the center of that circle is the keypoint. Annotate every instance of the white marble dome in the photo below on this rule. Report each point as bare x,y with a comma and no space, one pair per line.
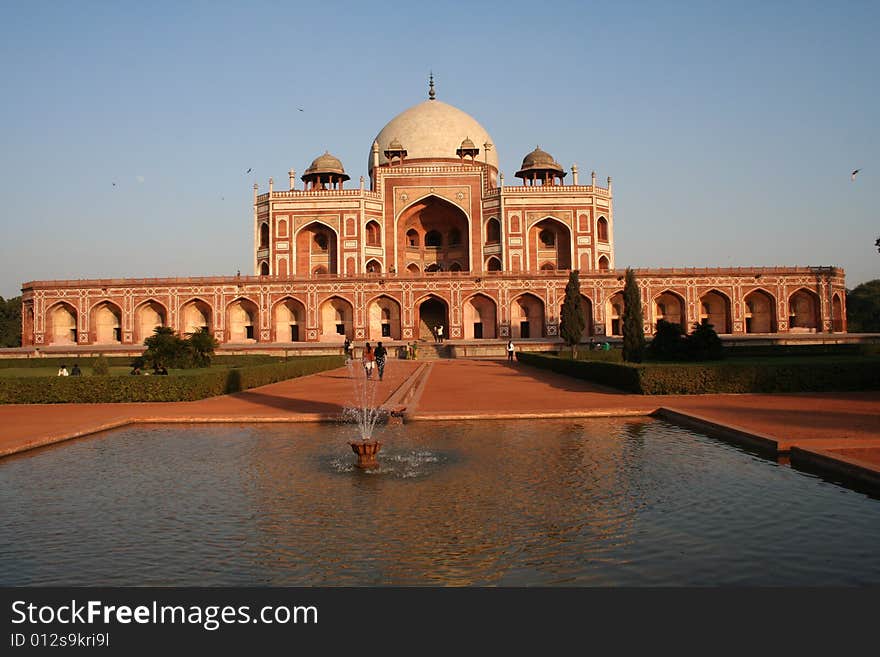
434,129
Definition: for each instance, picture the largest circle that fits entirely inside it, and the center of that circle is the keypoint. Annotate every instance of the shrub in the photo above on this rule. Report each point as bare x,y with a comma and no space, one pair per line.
100,366
201,346
668,342
729,377
209,383
704,344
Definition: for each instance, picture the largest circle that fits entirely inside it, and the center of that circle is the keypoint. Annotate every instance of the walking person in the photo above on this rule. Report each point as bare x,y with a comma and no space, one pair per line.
346,349
381,353
510,351
369,360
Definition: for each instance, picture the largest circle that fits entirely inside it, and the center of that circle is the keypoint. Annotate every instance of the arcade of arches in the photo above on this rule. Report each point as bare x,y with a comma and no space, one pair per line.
434,236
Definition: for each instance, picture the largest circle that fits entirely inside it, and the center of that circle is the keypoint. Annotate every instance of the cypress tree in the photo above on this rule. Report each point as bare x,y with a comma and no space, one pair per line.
633,328
571,320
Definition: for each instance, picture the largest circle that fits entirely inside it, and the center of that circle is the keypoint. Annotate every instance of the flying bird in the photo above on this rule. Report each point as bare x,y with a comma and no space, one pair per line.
300,109
249,170
114,184
852,176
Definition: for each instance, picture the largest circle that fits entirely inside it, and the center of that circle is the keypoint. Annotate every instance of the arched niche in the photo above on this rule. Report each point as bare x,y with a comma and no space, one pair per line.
614,309
106,323
527,317
337,320
383,318
670,307
316,250
432,312
289,318
242,321
62,324
196,315
435,231
148,316
480,318
760,312
715,310
586,314
803,312
550,245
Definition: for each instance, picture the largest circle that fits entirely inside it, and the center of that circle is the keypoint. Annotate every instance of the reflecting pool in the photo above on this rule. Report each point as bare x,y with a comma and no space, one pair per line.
557,502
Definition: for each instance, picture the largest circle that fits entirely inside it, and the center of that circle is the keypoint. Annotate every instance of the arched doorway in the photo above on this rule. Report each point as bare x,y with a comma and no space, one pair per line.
527,317
549,244
316,250
479,318
614,308
147,318
337,320
242,321
289,318
669,307
603,263
432,313
383,319
436,233
803,312
760,312
715,310
107,323
493,264
62,324
195,316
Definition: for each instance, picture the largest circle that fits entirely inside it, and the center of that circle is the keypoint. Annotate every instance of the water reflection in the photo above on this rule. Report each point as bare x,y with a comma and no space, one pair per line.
597,502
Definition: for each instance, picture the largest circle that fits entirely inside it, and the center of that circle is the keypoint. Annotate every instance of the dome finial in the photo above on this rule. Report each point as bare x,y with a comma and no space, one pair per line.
431,93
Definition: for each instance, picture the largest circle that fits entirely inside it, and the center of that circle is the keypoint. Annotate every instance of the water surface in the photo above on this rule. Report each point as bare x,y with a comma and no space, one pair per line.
577,502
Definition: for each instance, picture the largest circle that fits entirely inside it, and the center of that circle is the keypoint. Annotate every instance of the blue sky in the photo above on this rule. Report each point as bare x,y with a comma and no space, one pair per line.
730,129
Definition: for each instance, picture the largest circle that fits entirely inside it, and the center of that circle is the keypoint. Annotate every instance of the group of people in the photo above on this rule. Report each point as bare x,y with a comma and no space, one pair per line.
373,359
604,346
438,333
75,371
158,370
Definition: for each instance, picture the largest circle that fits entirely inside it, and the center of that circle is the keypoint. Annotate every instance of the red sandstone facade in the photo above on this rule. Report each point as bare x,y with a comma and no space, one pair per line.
436,238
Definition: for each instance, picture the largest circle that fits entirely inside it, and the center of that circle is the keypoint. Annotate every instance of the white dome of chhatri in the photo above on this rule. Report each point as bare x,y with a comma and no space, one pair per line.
434,129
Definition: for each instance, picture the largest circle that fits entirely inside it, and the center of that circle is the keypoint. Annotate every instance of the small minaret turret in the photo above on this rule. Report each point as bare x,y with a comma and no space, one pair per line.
292,175
375,154
256,191
271,182
574,174
594,179
609,184
362,183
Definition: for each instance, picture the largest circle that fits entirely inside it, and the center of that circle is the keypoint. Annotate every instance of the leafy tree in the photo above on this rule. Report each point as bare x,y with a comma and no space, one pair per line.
863,308
703,343
166,348
571,322
633,328
201,346
668,342
10,322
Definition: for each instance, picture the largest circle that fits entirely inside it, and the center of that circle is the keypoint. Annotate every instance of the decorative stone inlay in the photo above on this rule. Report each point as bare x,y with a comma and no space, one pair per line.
359,334
407,333
313,335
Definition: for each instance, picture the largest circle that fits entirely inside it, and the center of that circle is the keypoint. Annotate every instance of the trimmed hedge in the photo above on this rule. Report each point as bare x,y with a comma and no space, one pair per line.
721,377
126,361
210,383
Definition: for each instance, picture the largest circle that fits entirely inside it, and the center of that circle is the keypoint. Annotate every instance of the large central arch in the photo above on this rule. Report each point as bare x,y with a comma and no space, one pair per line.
434,233
549,245
316,250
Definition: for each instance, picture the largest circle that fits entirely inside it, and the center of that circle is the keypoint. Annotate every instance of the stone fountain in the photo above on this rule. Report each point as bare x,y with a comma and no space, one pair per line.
366,416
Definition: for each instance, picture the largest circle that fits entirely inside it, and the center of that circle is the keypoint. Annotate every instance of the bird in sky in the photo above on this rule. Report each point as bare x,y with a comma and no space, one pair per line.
852,176
114,184
300,109
249,170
